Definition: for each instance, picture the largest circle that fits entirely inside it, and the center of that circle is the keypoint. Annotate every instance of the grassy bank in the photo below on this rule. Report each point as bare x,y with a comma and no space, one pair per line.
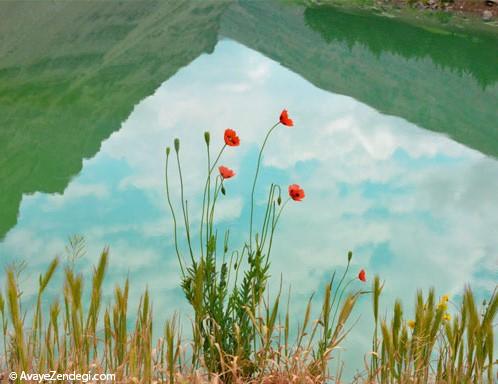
436,15
434,344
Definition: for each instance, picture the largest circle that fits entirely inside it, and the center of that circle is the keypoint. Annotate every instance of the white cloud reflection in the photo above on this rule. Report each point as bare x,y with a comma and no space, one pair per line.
415,207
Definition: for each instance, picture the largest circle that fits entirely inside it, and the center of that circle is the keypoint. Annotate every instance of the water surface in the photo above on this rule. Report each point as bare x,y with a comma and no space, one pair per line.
394,143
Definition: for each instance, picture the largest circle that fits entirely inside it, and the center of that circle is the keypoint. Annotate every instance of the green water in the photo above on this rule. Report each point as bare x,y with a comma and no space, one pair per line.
395,142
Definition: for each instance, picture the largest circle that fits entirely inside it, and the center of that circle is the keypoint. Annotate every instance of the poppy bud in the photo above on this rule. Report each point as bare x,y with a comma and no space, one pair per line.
167,151
350,256
279,200
226,248
207,137
177,145
223,190
235,266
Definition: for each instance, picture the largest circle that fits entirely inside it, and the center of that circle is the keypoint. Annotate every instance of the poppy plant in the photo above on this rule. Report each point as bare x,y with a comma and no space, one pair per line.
285,120
231,138
235,301
362,275
225,172
296,193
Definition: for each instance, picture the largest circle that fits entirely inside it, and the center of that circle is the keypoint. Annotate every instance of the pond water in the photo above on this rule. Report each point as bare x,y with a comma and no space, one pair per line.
395,142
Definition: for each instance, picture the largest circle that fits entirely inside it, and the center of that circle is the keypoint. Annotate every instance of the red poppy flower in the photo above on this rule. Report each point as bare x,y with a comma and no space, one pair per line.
284,119
296,193
362,275
231,138
226,172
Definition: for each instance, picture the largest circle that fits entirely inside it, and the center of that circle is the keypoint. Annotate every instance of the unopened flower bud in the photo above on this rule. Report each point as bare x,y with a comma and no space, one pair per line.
279,200
350,256
223,190
168,149
177,144
207,137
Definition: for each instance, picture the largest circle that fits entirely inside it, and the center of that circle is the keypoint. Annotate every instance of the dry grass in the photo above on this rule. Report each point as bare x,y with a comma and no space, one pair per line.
71,335
443,342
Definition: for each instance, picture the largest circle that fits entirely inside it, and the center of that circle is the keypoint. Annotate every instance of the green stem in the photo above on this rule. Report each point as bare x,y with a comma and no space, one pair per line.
269,209
208,191
340,298
217,190
340,282
217,159
174,218
207,188
275,225
204,201
185,216
255,180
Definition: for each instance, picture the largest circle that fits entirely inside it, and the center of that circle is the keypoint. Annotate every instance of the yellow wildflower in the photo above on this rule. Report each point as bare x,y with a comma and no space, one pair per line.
411,324
446,317
445,298
442,305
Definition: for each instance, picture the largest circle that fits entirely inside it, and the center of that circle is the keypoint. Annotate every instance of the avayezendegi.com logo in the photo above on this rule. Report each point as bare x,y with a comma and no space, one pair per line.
55,376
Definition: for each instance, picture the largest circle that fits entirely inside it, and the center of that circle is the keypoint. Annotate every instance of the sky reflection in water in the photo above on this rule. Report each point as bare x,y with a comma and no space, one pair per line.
415,207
